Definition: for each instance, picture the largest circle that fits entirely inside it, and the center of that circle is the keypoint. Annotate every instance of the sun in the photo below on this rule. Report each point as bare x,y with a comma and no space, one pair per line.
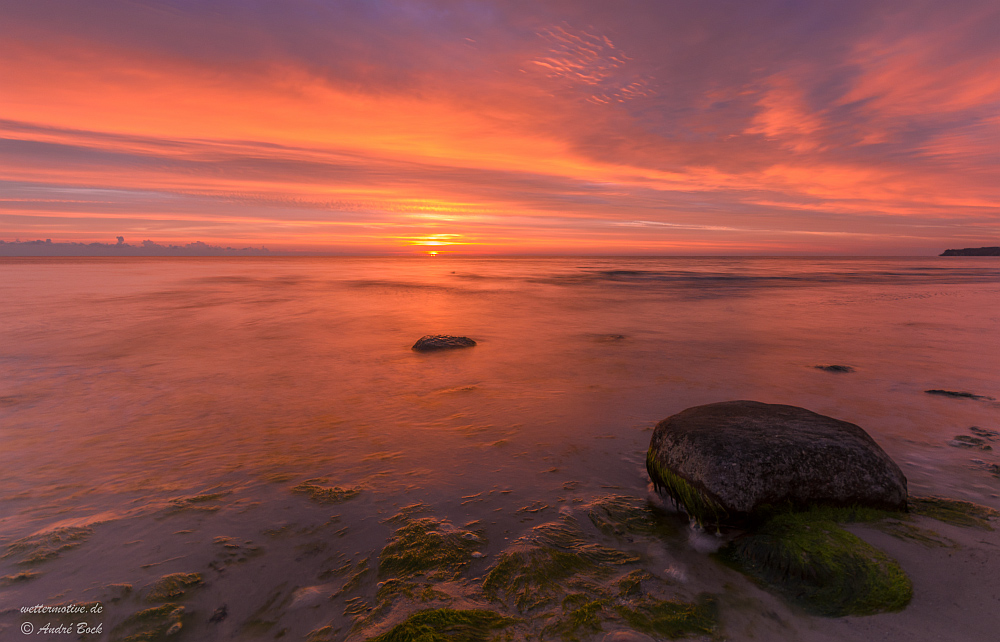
432,253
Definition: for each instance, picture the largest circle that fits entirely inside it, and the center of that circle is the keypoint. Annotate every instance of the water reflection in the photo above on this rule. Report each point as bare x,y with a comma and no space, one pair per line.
131,388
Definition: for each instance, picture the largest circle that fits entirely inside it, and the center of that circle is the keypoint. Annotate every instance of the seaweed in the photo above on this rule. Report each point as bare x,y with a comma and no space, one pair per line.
622,516
195,503
631,584
814,563
149,625
568,536
48,545
387,594
173,587
326,494
355,606
581,617
354,582
531,577
332,570
446,625
953,511
232,553
672,619
407,512
925,536
533,572
393,588
699,504
23,576
322,634
430,546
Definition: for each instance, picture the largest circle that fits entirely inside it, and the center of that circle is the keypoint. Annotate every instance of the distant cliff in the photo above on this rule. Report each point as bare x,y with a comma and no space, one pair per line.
973,251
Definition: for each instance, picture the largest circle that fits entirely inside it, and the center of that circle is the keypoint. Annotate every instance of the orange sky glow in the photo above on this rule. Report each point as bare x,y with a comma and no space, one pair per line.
504,127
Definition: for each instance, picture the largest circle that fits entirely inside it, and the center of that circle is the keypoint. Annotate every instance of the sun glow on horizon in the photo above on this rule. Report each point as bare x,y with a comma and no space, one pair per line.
367,132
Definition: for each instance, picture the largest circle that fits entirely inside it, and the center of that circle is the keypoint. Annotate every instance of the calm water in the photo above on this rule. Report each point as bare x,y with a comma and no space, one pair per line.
127,383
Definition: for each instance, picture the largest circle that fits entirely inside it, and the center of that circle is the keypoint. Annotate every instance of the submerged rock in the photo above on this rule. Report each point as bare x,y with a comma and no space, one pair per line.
432,342
967,441
835,368
732,461
957,394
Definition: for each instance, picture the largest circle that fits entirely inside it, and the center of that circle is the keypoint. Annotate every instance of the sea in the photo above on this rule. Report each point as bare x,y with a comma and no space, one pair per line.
264,422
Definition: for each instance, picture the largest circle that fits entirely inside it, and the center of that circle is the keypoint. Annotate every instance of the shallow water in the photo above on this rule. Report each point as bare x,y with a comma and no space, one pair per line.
126,384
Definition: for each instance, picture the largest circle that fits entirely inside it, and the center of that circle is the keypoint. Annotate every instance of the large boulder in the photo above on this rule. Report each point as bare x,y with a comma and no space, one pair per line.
729,462
431,342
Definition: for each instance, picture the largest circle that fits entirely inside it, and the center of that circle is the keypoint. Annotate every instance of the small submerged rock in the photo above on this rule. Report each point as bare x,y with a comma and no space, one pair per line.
984,432
725,462
957,394
979,439
835,368
967,441
609,338
431,342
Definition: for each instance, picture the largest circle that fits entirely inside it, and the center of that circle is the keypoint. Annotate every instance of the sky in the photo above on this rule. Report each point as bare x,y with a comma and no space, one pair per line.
504,127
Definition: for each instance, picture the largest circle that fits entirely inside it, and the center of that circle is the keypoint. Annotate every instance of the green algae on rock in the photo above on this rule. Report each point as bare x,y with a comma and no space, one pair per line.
326,494
698,503
954,511
429,546
816,564
173,587
446,625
